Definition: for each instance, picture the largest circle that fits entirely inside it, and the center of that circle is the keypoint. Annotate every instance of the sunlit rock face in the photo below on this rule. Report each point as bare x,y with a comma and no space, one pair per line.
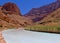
11,7
10,17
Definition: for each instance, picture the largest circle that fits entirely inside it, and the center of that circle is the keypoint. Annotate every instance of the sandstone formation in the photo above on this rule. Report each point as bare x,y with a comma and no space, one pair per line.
2,39
10,17
52,19
11,7
37,14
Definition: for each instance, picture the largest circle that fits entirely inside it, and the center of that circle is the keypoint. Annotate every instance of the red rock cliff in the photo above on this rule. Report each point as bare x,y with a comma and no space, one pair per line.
11,7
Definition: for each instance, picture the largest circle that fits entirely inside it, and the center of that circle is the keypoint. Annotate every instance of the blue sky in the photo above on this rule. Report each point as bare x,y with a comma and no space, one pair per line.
26,5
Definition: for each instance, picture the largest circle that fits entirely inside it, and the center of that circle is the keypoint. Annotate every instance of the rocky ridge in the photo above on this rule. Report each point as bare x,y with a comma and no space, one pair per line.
37,14
10,17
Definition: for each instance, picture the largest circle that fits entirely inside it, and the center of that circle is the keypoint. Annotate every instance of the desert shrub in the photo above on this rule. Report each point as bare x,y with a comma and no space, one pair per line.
1,26
44,28
58,28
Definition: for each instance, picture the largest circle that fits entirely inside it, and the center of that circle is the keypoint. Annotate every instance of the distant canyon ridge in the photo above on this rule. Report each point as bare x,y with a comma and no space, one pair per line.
37,14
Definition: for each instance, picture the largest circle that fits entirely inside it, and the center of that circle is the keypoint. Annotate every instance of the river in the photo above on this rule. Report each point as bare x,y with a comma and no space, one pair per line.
24,36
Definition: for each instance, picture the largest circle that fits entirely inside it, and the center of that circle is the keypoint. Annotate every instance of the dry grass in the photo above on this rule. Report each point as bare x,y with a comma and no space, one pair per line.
44,28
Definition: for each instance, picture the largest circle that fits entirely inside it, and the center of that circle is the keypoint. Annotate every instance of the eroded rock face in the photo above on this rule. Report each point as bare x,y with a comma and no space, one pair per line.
0,7
37,14
10,18
11,7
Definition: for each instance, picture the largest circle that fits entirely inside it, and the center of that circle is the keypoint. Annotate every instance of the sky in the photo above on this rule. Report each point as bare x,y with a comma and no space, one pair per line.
26,5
